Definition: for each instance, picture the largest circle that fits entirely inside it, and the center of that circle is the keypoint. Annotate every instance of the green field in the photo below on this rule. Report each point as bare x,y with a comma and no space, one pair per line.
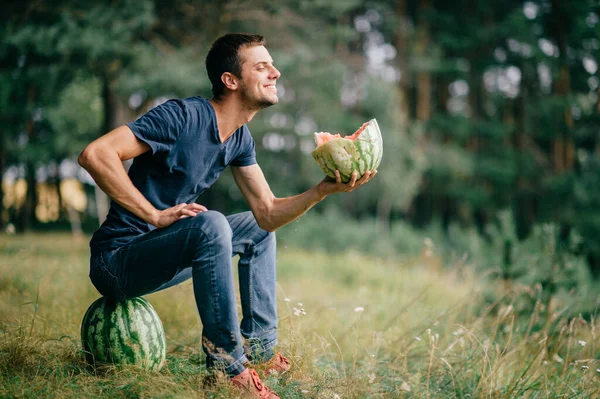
354,327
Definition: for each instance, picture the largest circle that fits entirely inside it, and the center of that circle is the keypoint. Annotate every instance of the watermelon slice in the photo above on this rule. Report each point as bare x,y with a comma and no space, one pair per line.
358,152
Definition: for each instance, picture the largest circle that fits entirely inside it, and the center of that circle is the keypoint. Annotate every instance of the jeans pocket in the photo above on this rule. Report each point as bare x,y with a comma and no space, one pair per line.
105,282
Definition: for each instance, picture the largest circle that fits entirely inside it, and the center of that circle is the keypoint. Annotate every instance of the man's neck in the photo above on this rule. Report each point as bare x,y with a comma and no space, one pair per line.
231,115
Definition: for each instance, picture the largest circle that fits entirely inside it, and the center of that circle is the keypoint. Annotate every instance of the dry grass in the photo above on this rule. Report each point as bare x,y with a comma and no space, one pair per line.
355,327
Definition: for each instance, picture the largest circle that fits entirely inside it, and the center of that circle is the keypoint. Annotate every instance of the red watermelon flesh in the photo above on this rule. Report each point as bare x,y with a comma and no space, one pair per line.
324,137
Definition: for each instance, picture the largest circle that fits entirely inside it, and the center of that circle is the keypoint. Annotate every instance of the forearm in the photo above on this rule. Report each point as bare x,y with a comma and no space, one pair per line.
285,210
108,172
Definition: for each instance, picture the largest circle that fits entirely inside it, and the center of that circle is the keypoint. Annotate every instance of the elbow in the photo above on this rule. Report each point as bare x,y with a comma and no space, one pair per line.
264,216
84,158
265,221
266,226
87,156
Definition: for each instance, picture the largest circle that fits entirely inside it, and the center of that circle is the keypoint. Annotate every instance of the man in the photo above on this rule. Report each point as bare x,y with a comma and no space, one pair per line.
156,236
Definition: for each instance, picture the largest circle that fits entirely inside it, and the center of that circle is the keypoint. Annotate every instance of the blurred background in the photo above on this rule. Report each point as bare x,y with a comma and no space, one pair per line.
490,114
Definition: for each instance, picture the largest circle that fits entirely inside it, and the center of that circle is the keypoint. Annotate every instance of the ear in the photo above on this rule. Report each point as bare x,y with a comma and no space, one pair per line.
230,81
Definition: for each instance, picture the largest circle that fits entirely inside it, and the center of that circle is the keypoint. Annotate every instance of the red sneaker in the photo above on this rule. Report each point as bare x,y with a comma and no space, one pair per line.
278,364
249,381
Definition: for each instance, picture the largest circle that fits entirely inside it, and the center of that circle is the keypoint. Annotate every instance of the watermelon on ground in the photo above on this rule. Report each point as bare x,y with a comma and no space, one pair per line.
358,152
127,332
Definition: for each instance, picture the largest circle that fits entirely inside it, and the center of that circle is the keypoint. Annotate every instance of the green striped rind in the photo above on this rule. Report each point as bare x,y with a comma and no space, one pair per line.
128,332
347,156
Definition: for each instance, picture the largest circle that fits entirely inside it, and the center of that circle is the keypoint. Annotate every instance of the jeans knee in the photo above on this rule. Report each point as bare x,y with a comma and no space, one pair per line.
215,226
266,244
264,239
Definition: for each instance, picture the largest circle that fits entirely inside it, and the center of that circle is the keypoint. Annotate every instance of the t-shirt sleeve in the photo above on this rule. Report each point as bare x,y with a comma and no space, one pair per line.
247,155
161,126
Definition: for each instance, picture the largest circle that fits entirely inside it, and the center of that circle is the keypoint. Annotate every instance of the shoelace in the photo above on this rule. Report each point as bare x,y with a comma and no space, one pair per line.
256,380
283,359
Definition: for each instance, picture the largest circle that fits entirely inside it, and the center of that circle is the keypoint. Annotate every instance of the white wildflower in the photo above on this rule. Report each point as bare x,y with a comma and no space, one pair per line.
405,387
287,300
598,370
299,312
304,391
418,339
359,309
336,396
371,378
581,342
300,304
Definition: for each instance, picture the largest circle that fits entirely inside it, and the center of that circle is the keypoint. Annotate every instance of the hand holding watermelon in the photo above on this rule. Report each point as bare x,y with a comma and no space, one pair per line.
346,159
330,185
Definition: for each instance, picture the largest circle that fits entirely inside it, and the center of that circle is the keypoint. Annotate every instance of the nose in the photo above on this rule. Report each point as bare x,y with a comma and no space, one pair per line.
275,74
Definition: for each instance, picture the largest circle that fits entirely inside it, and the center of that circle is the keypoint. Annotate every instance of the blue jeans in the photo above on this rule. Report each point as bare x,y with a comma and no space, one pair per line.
202,248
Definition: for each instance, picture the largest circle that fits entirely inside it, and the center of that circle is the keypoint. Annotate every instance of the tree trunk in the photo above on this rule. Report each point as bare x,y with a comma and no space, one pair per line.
523,200
115,113
114,116
56,180
2,166
384,212
423,76
402,42
27,213
442,96
74,221
563,148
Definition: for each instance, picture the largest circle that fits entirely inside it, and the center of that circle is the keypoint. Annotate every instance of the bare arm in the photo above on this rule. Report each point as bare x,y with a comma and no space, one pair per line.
270,212
103,158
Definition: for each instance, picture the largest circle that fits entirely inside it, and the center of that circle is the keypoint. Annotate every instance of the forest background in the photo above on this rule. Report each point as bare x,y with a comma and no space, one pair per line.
490,113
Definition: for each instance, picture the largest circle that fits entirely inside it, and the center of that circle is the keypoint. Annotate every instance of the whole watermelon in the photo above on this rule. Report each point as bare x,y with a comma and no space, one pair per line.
359,152
127,332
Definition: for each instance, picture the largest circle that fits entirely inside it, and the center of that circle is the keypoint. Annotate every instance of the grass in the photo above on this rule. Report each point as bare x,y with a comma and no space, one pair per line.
354,327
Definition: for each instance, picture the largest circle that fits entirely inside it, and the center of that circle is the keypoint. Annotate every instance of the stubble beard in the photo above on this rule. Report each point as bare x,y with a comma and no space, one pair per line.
255,103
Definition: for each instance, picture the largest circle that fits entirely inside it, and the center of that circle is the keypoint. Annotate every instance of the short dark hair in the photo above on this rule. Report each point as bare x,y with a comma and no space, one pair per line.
223,57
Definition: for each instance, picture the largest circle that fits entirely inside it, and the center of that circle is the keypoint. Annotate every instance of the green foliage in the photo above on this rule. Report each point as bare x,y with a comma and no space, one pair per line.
370,328
335,232
483,107
75,117
79,33
546,260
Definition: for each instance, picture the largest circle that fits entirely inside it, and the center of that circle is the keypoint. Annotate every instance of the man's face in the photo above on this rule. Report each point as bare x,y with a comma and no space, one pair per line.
257,84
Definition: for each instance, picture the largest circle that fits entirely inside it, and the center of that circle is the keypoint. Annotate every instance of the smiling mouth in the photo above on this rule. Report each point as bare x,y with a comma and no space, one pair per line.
271,87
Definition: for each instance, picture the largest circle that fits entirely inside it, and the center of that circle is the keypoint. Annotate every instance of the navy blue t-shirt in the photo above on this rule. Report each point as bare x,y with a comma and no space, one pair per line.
186,158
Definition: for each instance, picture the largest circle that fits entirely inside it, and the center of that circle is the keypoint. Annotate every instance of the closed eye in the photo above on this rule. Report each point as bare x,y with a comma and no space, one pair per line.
261,66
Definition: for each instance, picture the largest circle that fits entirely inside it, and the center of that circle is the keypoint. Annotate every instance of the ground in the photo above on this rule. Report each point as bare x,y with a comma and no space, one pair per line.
354,327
